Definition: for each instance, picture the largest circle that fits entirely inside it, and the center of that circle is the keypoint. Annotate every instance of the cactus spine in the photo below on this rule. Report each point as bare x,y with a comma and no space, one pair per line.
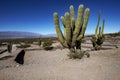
74,29
98,39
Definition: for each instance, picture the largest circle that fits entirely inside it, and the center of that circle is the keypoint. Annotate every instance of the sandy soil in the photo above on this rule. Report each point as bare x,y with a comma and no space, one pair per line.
55,65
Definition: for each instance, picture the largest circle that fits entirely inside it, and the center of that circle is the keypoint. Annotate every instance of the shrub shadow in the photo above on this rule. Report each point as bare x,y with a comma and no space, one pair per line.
48,48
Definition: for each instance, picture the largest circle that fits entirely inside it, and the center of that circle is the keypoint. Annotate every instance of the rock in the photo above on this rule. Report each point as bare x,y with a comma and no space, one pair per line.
20,57
17,65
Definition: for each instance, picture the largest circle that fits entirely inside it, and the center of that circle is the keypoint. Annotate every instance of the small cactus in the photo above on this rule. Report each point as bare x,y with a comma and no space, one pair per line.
74,29
39,42
9,47
98,38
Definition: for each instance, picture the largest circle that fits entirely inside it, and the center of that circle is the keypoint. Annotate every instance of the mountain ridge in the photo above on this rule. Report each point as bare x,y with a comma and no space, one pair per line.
20,34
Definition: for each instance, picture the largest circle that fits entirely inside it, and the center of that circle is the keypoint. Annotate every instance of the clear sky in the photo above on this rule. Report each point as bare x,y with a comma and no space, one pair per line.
37,15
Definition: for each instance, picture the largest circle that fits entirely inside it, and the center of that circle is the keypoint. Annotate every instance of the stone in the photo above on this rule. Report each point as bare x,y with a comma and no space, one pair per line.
20,57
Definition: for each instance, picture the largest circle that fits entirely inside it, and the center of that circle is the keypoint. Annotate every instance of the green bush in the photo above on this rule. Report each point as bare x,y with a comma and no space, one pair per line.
39,42
24,46
47,43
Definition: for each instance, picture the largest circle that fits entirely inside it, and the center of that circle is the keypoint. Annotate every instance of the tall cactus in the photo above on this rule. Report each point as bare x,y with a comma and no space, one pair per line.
74,29
98,38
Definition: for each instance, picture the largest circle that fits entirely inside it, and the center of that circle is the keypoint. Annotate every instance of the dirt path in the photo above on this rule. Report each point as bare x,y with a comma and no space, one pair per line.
55,65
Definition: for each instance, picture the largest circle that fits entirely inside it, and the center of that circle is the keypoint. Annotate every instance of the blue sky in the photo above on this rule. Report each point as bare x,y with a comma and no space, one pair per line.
37,15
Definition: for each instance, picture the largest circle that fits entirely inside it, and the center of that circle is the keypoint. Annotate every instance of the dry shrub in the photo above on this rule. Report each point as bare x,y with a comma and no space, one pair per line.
78,55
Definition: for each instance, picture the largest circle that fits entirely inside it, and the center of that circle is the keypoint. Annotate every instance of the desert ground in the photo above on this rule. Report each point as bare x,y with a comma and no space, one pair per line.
54,64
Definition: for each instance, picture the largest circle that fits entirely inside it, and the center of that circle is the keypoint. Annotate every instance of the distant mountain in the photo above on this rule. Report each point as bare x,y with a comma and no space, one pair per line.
50,35
17,34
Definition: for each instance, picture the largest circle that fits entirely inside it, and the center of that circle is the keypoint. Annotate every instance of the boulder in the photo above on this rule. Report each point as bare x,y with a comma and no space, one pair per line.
20,57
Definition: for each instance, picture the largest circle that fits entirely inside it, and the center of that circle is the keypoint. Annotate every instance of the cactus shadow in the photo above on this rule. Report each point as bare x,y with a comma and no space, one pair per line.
6,57
106,48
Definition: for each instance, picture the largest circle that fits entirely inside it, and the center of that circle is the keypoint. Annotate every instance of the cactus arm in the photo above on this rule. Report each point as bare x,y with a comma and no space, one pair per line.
72,11
99,30
63,22
72,17
79,20
77,25
73,24
68,28
96,31
58,30
102,31
80,37
86,18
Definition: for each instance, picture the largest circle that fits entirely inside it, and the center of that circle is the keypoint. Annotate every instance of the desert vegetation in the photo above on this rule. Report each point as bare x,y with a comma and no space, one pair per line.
47,44
74,29
98,38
